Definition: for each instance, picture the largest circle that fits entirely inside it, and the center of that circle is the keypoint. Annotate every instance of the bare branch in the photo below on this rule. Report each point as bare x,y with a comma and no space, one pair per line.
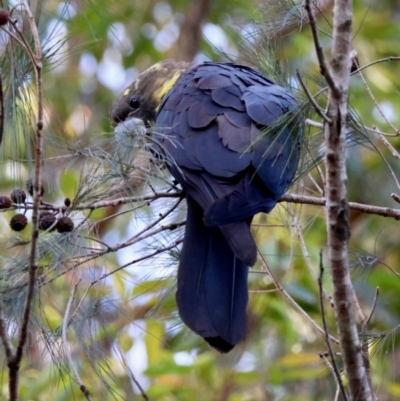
382,60
320,190
392,270
290,198
318,48
1,110
102,204
65,324
127,200
375,130
155,253
358,307
312,99
313,123
304,250
336,372
5,339
375,301
395,197
379,61
394,152
364,342
323,356
371,95
36,59
368,209
292,301
387,165
132,376
88,259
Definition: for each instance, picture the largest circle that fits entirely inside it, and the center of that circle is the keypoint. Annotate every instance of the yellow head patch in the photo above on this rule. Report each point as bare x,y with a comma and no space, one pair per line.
159,79
149,89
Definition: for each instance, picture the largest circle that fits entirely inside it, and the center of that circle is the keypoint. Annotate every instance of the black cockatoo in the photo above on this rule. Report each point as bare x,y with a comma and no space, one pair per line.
208,122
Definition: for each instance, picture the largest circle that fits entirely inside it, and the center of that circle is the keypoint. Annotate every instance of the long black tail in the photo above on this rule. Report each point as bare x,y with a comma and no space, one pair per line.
212,282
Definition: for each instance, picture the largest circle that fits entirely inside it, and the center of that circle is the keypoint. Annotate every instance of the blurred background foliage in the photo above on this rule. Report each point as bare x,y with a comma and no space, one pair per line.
126,329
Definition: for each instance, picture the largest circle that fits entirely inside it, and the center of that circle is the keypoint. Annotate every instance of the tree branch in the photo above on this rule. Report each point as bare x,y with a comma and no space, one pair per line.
65,324
324,70
361,207
293,302
290,198
334,366
5,339
36,59
312,100
337,207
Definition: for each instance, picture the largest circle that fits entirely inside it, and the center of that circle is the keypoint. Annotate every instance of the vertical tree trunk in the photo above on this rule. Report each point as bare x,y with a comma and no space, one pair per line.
337,205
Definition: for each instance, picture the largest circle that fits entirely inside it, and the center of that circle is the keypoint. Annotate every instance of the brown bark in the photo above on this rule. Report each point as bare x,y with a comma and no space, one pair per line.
337,206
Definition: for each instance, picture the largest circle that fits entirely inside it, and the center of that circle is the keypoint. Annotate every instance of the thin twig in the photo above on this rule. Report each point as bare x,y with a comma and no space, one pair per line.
73,267
155,253
292,301
15,7
375,301
1,110
364,342
375,130
35,34
312,99
320,190
358,307
162,217
313,123
65,324
132,376
5,339
322,355
125,200
322,176
395,153
395,197
318,48
387,165
391,269
84,220
104,204
371,95
271,225
338,379
22,43
135,239
321,11
381,60
304,250
78,307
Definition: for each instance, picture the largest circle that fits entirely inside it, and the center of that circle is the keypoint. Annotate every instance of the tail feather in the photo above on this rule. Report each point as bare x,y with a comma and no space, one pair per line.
212,291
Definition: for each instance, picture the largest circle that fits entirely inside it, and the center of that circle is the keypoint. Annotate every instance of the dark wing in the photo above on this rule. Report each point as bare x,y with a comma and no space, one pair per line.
208,129
214,116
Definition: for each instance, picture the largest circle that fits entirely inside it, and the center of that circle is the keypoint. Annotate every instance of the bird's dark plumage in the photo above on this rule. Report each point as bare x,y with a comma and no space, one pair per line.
208,128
